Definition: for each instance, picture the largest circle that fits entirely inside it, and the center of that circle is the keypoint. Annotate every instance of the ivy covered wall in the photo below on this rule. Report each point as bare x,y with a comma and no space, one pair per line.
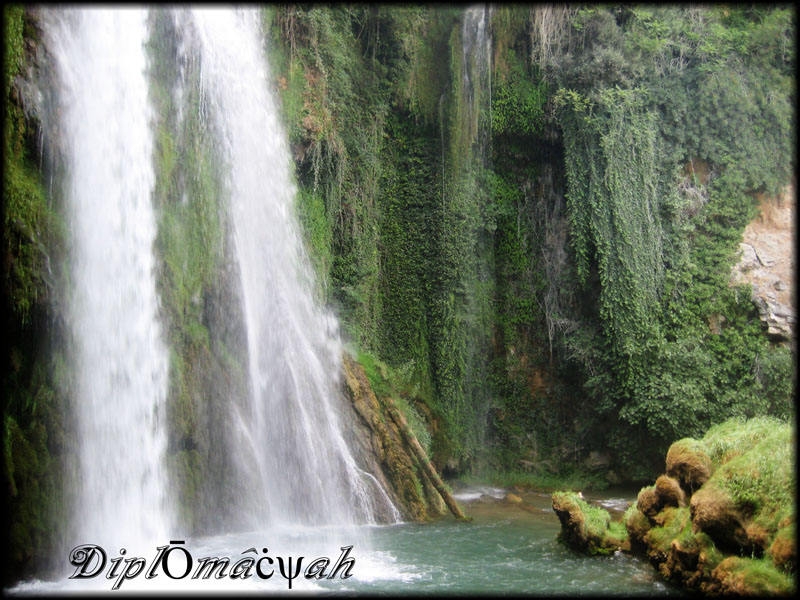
550,287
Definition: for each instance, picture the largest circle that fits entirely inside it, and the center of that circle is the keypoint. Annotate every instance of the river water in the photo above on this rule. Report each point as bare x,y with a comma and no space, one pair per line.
506,549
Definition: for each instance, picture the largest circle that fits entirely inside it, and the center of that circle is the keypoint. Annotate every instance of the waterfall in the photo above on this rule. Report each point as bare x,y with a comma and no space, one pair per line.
476,52
291,463
302,471
120,359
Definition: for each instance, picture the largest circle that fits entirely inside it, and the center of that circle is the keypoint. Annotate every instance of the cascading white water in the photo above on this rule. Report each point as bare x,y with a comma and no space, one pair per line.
120,359
305,472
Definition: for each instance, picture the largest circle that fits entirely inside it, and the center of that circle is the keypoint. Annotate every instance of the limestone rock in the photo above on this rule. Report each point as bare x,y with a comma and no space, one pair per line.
379,446
767,262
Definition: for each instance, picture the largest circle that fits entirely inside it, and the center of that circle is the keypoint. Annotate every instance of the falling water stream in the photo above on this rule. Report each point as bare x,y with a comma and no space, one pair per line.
120,358
305,494
306,473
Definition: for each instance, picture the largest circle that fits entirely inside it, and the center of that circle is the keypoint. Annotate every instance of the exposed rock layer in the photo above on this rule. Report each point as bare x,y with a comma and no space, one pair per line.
380,444
767,262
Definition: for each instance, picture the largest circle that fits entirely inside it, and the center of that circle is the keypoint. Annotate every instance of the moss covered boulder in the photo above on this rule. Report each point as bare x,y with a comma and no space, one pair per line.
378,441
720,521
742,576
689,463
586,528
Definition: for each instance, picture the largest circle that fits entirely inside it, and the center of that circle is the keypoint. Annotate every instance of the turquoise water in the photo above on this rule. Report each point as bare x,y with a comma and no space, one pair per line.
506,549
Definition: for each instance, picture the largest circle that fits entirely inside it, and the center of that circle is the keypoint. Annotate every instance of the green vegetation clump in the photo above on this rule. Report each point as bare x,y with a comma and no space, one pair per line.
388,382
688,461
752,577
745,508
587,528
761,480
573,480
672,523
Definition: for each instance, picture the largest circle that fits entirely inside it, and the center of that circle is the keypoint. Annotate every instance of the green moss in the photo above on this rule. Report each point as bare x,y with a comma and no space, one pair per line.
518,99
616,534
14,48
738,435
318,235
33,229
597,520
34,492
676,521
587,528
754,576
636,523
188,469
759,475
395,384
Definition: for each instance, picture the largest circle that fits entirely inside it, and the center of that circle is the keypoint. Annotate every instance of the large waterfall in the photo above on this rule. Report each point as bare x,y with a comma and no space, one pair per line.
120,359
293,466
305,472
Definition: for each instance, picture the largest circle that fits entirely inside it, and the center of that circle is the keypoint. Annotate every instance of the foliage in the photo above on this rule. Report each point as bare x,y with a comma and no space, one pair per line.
569,479
34,382
517,100
693,86
12,34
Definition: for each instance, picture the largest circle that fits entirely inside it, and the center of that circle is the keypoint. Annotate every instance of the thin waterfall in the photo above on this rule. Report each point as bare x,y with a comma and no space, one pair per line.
120,359
476,55
301,470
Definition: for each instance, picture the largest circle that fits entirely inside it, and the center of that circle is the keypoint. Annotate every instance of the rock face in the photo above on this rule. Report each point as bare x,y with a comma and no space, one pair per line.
378,442
767,262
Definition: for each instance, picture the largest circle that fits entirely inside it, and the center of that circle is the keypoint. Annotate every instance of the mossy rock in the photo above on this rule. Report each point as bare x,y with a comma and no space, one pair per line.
689,463
417,500
750,577
669,491
714,512
637,525
588,529
750,497
783,550
691,558
671,522
648,502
